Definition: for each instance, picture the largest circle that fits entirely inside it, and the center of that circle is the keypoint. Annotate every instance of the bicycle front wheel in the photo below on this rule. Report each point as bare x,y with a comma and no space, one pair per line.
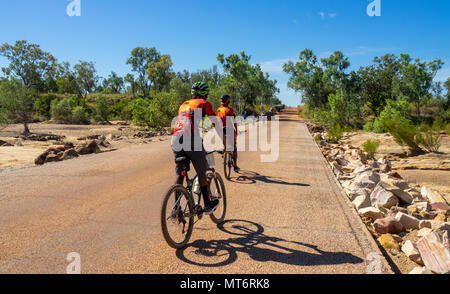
177,217
217,188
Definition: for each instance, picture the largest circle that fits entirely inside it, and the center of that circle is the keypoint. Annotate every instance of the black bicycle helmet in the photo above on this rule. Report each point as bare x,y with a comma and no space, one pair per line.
225,98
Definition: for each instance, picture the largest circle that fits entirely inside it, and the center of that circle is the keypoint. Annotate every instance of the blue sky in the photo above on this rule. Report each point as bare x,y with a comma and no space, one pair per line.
193,32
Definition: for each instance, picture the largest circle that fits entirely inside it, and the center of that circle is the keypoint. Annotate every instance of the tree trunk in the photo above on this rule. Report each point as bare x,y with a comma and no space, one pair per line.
418,109
25,127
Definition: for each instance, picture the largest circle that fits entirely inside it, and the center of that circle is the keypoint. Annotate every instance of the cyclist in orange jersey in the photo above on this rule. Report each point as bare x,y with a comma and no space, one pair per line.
187,129
224,112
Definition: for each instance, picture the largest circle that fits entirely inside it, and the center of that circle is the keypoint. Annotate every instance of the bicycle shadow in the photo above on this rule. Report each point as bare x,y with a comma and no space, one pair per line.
250,239
250,177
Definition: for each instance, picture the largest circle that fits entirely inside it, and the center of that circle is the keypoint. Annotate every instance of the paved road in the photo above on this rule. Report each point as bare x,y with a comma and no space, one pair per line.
284,217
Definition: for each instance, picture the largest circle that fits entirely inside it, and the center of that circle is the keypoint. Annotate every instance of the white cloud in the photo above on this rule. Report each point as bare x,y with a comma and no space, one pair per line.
330,15
288,96
443,75
274,66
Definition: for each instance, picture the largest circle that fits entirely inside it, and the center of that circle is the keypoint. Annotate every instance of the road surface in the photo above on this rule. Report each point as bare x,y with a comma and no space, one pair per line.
284,217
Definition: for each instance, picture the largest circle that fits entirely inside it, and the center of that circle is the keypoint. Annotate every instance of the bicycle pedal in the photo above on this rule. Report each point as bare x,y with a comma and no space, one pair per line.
198,210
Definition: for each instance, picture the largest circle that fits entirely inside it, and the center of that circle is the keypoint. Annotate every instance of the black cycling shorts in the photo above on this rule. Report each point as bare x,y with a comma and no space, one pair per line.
198,158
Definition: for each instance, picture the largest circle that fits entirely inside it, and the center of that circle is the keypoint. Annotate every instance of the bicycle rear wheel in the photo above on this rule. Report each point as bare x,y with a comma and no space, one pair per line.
217,188
227,164
177,216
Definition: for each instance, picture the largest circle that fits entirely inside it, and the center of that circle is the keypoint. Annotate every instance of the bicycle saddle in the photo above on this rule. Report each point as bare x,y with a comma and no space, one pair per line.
181,159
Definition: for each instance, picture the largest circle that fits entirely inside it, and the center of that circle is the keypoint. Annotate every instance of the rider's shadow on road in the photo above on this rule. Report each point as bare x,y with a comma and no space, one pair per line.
249,239
250,177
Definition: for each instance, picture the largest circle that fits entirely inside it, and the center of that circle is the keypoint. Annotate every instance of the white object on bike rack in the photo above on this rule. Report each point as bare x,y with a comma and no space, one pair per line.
196,187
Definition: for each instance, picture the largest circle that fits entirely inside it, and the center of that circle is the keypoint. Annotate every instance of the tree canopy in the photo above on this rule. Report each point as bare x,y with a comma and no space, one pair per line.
150,93
28,62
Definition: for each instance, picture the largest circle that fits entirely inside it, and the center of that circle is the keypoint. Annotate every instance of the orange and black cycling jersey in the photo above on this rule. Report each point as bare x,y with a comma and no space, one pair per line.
223,112
186,115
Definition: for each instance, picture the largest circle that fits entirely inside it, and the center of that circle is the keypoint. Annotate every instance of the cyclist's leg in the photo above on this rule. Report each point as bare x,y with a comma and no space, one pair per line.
224,141
235,153
179,166
200,164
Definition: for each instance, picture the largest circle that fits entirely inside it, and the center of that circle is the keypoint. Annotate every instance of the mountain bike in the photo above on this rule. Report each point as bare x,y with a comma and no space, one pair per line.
228,161
181,205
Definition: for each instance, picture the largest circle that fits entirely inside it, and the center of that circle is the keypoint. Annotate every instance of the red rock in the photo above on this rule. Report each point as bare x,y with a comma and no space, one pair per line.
435,255
395,175
382,197
432,195
40,160
408,221
440,206
387,225
52,158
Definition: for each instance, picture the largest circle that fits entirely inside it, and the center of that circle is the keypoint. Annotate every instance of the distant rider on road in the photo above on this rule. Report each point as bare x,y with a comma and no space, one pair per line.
224,112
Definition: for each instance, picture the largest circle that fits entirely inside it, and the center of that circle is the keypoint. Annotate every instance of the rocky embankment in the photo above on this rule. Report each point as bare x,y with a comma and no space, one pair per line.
92,144
71,141
67,150
412,223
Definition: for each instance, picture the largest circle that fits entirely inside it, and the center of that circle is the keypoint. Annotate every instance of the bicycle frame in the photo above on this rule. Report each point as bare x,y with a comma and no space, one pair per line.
189,186
230,157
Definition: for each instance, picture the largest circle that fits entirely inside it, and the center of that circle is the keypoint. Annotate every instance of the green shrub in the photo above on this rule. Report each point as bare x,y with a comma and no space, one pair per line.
42,105
127,112
368,127
445,114
3,117
156,113
344,110
146,114
404,133
79,115
371,147
338,110
62,110
140,108
378,127
121,110
374,127
103,109
69,110
430,136
349,129
318,116
335,133
396,108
